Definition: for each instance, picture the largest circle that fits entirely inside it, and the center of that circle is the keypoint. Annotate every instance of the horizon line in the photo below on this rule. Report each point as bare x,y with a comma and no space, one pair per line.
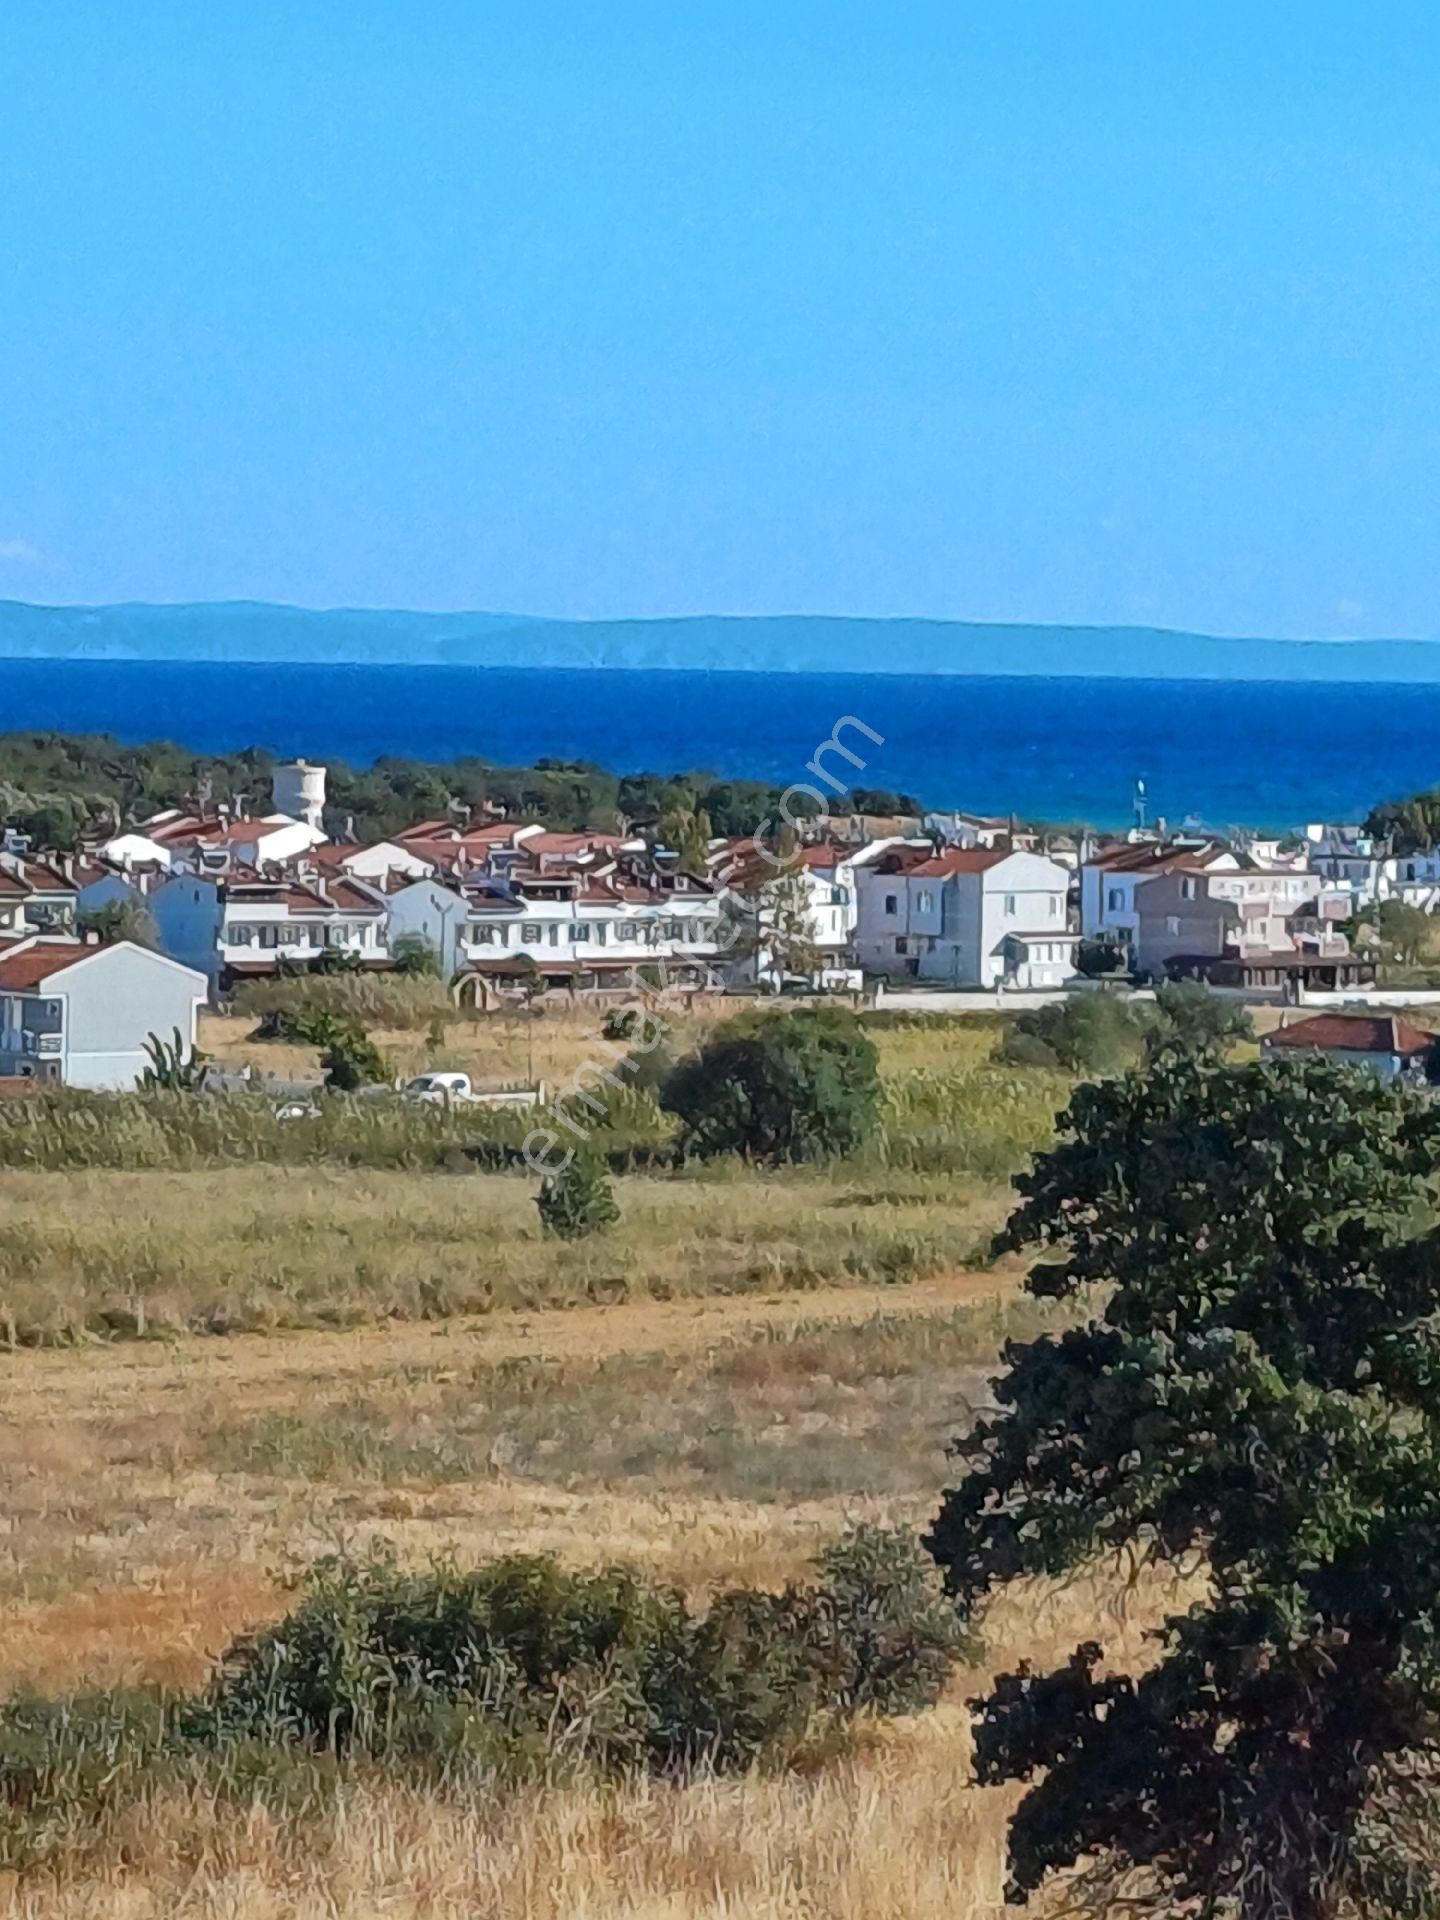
672,619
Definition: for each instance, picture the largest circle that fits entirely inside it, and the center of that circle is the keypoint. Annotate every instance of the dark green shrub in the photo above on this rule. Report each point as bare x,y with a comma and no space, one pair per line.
887,1632
620,1023
1191,1018
577,1201
1096,958
606,1668
1090,1033
799,1085
413,954
351,1059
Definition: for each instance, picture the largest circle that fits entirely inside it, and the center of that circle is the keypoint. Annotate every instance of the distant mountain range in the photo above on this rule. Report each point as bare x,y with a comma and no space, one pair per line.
257,632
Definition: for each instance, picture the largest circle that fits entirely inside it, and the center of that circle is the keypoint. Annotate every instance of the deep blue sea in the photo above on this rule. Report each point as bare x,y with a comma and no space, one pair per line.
1269,755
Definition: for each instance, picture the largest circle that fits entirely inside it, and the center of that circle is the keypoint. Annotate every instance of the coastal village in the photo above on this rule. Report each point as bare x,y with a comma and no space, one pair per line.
955,909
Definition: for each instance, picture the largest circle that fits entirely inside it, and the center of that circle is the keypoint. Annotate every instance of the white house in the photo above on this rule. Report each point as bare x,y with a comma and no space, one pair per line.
573,927
36,895
229,927
177,837
377,861
820,881
81,1015
966,917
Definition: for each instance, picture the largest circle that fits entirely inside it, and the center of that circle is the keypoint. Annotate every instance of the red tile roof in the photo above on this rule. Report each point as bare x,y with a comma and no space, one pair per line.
1354,1033
24,875
940,866
22,972
1149,856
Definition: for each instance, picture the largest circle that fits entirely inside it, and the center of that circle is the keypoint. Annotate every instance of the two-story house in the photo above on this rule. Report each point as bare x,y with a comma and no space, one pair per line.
37,895
965,917
1112,878
238,925
573,926
82,1015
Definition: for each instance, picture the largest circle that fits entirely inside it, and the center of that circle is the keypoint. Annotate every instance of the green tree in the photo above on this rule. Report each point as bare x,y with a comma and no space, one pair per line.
1096,958
771,923
578,1200
1405,932
687,831
119,920
1258,1391
1411,826
797,1085
351,1058
1089,1033
1191,1018
412,953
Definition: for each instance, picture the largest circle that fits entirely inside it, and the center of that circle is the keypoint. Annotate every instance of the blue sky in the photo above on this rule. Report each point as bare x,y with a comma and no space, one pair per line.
1096,312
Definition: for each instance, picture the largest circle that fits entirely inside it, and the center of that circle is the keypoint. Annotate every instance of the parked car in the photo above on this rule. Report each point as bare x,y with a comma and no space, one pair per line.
440,1090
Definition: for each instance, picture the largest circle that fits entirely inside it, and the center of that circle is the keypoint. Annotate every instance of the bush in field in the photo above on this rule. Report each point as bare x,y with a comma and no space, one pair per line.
620,1023
891,1635
604,1667
351,1058
64,1762
799,1085
413,955
1256,1393
513,1669
1089,1033
173,1067
577,1201
331,961
1191,1018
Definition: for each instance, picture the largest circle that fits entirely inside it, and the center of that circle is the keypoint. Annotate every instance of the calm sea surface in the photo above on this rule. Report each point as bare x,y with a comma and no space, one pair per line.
1264,755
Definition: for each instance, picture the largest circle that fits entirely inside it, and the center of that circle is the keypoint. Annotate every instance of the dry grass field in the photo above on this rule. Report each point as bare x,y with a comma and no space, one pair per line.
743,1368
158,1493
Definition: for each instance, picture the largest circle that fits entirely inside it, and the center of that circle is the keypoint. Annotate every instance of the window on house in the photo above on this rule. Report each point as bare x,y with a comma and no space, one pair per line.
238,935
901,946
554,934
580,933
892,904
625,930
1054,906
1189,887
925,900
1114,900
531,936
1172,923
1009,905
482,936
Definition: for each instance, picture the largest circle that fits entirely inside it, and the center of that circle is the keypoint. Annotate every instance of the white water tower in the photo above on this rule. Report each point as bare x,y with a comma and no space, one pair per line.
298,789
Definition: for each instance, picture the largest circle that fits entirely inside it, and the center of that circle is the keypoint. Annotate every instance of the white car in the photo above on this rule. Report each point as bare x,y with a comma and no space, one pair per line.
440,1090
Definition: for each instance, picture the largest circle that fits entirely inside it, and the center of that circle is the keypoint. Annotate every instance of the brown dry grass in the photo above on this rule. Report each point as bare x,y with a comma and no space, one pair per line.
157,1494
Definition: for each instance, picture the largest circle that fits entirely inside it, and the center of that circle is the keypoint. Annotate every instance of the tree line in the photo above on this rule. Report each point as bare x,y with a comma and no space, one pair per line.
57,787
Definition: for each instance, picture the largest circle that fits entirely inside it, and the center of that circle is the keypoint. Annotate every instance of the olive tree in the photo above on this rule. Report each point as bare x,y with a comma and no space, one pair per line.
1255,1392
798,1085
